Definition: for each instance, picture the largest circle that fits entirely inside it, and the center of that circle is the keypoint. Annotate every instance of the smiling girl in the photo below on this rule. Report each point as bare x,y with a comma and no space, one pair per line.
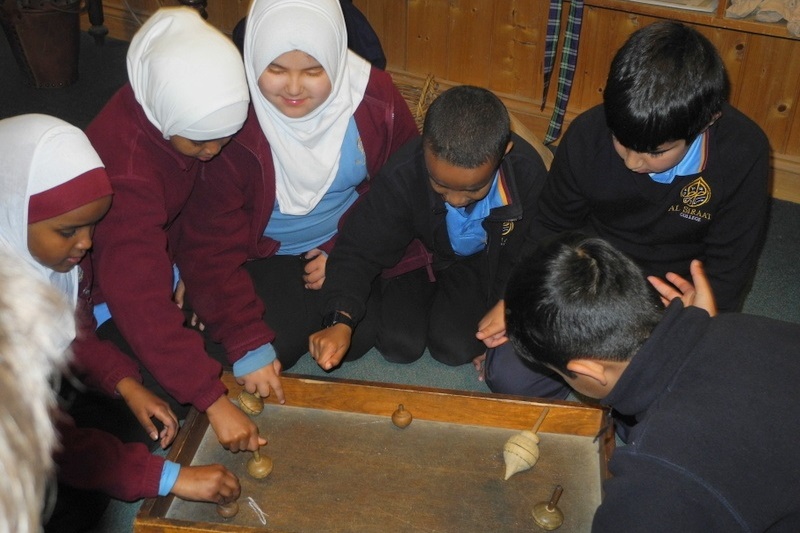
259,227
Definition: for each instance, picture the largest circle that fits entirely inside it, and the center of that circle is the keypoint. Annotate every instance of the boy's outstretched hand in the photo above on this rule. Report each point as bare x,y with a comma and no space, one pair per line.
145,406
328,346
697,293
207,483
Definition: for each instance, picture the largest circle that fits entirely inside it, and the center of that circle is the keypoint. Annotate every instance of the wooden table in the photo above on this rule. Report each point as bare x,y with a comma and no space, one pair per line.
341,465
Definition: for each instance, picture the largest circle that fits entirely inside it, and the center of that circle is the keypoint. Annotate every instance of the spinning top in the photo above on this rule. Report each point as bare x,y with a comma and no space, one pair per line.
547,514
521,451
228,510
259,466
401,418
250,403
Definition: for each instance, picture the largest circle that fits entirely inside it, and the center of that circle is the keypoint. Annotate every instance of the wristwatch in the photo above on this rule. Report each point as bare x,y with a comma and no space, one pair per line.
336,317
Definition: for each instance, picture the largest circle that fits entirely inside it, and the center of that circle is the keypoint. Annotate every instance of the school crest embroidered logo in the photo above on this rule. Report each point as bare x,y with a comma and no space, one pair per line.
508,227
696,193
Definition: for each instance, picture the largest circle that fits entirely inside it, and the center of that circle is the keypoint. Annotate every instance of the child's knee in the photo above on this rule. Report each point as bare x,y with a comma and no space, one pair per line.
400,348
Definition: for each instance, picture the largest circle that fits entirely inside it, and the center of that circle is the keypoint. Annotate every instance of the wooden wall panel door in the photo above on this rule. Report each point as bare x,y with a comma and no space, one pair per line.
426,32
390,22
602,34
515,66
770,90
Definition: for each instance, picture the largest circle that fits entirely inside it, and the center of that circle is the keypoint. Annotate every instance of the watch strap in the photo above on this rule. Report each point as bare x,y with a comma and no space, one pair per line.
336,317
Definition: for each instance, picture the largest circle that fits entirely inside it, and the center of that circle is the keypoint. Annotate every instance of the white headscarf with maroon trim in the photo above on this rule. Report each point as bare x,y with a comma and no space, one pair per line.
187,76
305,150
39,153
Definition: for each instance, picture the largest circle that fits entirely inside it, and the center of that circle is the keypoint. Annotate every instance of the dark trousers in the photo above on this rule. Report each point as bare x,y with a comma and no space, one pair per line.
507,373
294,312
442,315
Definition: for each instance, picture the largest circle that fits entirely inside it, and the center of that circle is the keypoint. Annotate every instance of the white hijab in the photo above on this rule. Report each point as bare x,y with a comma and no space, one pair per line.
39,153
305,150
188,76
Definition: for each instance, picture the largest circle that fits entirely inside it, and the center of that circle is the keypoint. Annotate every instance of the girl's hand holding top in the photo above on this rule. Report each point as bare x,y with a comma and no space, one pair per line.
145,405
315,269
261,381
207,483
234,429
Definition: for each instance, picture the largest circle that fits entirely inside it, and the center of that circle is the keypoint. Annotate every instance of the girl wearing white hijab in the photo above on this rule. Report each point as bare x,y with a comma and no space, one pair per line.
55,190
323,122
187,95
49,168
50,176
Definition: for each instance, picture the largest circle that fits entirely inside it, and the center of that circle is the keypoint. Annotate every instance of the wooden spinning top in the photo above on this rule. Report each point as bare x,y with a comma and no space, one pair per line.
401,418
547,514
250,403
259,466
228,510
521,451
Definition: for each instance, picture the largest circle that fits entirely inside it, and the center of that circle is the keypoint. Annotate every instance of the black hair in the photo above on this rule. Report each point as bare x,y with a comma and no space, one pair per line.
666,83
467,126
579,297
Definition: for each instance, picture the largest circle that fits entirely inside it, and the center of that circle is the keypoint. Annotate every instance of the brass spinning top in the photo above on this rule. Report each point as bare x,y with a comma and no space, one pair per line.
251,404
228,510
547,514
259,466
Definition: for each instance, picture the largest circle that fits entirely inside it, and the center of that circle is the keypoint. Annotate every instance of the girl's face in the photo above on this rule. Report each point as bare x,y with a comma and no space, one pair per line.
295,83
202,150
60,243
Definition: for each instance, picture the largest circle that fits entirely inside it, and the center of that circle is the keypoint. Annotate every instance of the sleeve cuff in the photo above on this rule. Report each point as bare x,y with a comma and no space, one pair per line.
254,360
169,475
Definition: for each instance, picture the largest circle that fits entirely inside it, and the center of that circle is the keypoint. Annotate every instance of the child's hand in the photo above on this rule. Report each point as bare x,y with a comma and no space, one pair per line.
698,293
492,327
315,269
263,380
180,294
328,346
179,297
207,483
145,405
234,429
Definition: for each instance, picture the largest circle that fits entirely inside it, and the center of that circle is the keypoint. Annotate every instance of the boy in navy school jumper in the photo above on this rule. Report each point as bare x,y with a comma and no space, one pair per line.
664,169
467,189
695,383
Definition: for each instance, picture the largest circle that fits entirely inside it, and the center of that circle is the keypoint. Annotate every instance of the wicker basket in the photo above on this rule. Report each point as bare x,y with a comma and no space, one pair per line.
419,97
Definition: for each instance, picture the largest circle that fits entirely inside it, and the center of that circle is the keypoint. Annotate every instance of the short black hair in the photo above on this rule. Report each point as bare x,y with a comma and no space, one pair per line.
576,297
467,126
666,83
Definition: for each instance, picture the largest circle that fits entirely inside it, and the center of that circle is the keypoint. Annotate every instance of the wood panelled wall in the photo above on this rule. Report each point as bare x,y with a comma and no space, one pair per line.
499,44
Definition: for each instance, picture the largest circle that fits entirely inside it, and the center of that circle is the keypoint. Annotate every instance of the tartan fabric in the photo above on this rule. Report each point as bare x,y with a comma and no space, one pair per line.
569,57
551,45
